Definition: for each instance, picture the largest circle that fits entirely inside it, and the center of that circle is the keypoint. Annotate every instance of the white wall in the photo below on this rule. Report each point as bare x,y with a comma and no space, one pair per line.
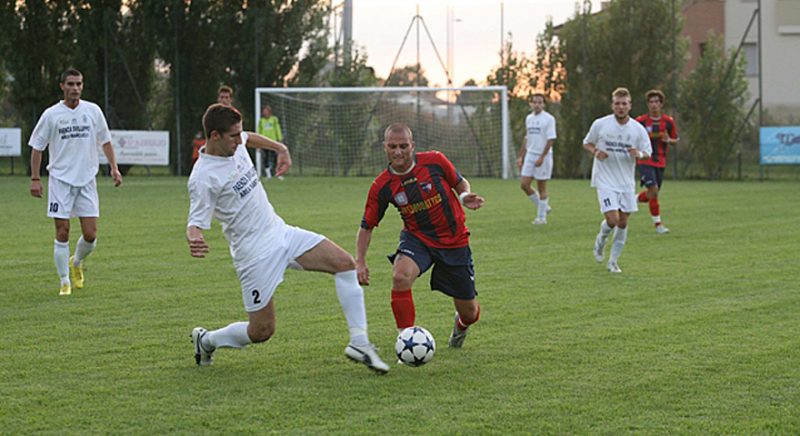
780,58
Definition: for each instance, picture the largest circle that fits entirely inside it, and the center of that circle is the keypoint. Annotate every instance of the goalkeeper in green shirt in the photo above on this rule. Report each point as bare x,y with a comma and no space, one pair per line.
270,126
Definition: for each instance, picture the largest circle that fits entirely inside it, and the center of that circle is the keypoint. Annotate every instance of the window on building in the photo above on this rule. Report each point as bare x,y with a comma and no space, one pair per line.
787,16
751,58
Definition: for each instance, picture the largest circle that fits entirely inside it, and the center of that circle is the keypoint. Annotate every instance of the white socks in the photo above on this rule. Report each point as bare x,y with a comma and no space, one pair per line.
83,249
656,218
351,297
619,243
534,197
61,258
605,230
541,208
232,336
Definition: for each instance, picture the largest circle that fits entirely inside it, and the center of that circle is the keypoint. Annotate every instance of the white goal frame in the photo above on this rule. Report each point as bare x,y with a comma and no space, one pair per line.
503,90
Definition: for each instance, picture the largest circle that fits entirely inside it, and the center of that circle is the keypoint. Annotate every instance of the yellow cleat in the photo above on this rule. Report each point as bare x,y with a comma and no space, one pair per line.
76,273
66,289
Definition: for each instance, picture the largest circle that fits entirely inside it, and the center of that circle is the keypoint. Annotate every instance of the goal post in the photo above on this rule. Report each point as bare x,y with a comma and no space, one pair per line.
339,131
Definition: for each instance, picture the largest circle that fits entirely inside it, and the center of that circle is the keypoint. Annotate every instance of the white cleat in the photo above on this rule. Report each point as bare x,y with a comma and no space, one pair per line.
598,249
202,356
539,221
661,230
613,267
367,355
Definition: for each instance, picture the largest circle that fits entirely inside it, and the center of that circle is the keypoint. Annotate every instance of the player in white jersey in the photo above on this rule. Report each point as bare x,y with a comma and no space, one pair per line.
535,159
73,129
616,141
224,184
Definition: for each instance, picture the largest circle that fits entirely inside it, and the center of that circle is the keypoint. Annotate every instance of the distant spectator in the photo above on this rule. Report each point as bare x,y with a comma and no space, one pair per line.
270,126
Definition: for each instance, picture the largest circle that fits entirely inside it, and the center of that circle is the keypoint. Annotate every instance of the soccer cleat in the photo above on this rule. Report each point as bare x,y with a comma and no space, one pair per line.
539,221
76,273
598,249
66,289
613,267
457,336
661,230
367,355
201,356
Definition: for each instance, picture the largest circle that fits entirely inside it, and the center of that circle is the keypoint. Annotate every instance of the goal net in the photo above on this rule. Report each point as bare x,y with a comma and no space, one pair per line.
339,131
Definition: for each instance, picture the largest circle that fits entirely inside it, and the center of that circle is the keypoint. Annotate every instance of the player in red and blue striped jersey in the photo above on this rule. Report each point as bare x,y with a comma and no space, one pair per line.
429,193
662,131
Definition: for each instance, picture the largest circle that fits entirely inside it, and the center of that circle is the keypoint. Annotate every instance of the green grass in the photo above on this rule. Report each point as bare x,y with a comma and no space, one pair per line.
698,335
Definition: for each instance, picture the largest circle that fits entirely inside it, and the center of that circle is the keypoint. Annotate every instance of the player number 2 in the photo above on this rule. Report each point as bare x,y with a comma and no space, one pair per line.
256,297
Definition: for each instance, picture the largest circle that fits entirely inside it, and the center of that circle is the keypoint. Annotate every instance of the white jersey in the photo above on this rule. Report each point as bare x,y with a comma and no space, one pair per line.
74,136
228,188
617,172
539,129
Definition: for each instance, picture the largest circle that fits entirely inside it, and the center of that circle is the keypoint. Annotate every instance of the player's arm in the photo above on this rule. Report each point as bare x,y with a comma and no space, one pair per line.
363,240
108,150
468,198
36,179
197,244
284,162
638,153
596,152
547,148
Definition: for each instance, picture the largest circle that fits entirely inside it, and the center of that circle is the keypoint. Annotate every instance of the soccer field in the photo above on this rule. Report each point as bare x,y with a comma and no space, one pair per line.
698,335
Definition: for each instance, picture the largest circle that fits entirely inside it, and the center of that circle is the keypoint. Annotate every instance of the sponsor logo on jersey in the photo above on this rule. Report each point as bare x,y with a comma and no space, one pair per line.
421,205
427,187
401,199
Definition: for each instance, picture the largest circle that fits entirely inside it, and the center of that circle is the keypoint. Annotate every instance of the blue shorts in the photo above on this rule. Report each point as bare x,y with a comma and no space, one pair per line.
453,271
651,175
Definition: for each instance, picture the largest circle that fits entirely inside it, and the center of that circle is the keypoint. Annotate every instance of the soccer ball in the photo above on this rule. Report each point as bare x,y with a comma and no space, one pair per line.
415,346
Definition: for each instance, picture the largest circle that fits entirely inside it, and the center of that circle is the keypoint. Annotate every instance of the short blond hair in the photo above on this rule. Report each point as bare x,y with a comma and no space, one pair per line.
620,92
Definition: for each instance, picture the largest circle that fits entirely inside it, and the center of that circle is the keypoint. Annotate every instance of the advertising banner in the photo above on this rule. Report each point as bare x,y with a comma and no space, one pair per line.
11,142
780,145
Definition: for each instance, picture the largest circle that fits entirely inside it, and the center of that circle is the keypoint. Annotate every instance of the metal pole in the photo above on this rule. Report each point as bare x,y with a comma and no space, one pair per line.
177,89
347,23
760,92
502,42
674,91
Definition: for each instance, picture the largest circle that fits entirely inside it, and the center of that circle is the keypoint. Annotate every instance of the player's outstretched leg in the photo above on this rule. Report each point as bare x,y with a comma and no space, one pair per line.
351,298
202,356
231,336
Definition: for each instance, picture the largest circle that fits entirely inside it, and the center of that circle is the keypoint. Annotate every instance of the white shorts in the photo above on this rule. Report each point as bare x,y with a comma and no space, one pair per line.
66,201
612,200
542,172
260,279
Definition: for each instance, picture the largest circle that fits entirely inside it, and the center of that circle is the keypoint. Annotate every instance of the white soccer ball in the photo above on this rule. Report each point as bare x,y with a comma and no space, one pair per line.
415,346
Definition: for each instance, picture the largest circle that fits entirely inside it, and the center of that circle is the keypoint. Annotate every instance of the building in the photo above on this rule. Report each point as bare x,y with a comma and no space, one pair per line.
780,57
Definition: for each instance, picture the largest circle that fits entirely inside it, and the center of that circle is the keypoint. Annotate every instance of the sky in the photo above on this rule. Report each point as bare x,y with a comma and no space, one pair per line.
380,25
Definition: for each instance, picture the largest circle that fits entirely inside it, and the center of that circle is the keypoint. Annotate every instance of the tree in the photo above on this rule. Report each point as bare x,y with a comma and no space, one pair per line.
623,45
407,76
245,44
713,101
515,75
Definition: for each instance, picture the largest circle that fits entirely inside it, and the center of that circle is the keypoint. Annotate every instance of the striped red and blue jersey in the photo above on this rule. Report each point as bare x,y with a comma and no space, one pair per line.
665,123
425,199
